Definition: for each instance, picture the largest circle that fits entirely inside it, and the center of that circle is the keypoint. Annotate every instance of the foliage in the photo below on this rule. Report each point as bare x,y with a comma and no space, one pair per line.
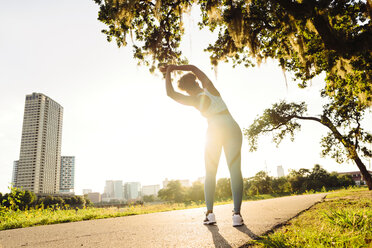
173,192
155,28
304,180
53,215
338,222
223,189
346,138
17,199
261,184
195,193
88,203
148,198
305,37
40,215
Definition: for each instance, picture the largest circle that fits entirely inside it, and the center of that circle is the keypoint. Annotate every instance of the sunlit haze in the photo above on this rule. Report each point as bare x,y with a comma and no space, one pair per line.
117,120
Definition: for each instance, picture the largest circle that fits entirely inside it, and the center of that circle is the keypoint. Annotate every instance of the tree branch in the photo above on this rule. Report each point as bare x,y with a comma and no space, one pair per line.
325,121
308,118
274,128
332,39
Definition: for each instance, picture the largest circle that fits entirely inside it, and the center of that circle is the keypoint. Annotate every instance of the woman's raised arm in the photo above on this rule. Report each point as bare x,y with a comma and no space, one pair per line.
178,97
206,83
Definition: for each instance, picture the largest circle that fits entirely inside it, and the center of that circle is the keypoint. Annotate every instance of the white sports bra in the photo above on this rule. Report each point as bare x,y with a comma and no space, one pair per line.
216,106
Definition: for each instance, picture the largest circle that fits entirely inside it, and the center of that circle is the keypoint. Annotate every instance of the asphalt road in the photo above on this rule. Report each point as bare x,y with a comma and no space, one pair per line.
181,228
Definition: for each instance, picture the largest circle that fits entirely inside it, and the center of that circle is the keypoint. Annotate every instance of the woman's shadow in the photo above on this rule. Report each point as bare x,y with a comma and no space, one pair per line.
220,241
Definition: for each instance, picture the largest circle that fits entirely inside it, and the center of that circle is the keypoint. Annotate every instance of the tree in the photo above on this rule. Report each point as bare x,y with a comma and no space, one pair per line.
173,192
298,179
262,183
26,199
283,118
17,198
223,189
281,185
345,180
195,192
306,37
148,198
319,178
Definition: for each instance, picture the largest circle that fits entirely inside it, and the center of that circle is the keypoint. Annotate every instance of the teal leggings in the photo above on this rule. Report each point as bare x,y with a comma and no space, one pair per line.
224,132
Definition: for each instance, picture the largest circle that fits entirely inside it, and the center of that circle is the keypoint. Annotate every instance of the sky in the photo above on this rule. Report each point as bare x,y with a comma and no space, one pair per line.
117,121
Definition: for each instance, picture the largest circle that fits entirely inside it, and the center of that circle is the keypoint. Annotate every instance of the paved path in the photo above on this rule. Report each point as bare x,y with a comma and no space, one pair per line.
182,228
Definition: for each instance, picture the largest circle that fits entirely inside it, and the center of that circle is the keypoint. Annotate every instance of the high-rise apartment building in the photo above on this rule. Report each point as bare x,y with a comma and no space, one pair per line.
132,190
67,180
94,197
150,190
87,191
114,190
280,171
40,155
15,172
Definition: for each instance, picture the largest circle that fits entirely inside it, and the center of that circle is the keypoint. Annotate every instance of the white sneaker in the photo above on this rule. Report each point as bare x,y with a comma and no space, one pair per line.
210,219
237,220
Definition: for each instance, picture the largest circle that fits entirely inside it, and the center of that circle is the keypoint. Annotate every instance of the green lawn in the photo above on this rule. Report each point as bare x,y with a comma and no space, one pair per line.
344,219
36,217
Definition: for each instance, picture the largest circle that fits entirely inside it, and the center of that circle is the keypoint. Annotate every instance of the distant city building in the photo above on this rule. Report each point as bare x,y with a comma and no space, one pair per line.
356,176
280,171
15,172
132,190
150,190
165,183
105,197
184,183
114,190
39,164
94,197
87,191
67,182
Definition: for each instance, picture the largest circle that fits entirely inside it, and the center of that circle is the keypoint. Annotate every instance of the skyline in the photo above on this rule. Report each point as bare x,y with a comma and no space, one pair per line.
118,121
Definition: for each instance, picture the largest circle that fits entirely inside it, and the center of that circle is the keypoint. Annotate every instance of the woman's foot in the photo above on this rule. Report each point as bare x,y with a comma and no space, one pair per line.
210,219
237,219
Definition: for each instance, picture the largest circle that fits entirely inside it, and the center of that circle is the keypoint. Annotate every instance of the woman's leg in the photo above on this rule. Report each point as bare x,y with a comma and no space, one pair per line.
232,148
212,157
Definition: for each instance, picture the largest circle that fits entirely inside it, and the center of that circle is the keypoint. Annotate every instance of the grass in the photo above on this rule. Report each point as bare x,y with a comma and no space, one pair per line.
344,219
36,217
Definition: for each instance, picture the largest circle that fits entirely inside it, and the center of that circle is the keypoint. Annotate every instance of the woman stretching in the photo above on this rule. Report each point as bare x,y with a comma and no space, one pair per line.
223,131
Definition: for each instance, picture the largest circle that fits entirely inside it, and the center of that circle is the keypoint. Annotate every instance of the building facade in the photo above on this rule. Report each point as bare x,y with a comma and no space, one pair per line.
67,181
150,190
280,171
15,172
113,190
94,197
132,191
87,191
40,155
356,176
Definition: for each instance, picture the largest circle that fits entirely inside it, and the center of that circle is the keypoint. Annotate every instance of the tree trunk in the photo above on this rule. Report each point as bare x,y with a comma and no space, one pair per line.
349,147
367,177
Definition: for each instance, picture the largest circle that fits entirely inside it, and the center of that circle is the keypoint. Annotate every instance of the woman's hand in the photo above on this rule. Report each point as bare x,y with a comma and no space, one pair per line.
171,68
163,68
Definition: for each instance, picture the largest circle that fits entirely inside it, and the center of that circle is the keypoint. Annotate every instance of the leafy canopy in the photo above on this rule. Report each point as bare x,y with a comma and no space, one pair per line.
306,37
